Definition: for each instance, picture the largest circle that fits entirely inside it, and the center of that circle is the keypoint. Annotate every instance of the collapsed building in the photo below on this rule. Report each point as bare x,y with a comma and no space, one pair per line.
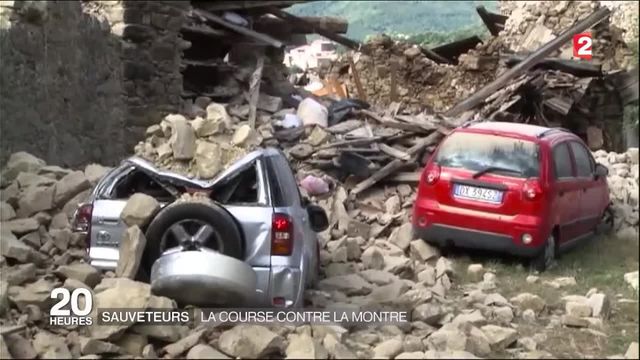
82,80
585,96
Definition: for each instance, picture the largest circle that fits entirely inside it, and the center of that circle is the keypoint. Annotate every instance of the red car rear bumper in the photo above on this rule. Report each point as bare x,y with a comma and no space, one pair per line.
447,225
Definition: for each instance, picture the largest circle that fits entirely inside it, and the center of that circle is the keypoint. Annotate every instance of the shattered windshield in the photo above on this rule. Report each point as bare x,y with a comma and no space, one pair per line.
479,152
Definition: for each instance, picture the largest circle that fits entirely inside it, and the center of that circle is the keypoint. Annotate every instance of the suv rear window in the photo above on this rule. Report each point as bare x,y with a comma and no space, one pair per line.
477,152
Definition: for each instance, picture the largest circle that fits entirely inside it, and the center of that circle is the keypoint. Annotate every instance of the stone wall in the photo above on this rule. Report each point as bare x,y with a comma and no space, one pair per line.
80,81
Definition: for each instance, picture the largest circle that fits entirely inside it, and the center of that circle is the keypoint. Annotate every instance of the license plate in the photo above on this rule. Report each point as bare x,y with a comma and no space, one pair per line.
477,193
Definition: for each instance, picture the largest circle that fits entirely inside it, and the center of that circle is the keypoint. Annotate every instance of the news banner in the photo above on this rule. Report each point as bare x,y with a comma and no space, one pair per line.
75,307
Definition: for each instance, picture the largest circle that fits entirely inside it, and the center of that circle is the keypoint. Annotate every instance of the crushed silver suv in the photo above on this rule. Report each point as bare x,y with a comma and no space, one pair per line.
256,238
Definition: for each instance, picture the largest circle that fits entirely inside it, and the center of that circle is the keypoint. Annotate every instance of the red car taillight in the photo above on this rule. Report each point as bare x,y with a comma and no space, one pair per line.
432,174
281,235
82,222
532,189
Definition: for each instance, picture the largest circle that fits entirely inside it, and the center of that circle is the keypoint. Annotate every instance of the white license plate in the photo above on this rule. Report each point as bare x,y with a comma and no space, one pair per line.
477,193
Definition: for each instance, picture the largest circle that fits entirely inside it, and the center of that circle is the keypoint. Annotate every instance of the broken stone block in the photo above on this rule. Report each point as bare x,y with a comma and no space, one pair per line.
422,251
133,344
93,346
69,186
349,284
429,313
600,305
245,136
318,136
387,349
95,172
183,140
378,277
499,337
11,247
6,211
358,229
402,236
388,294
20,274
37,293
139,209
305,347
574,321
301,151
81,272
208,160
251,342
117,293
474,271
61,238
19,347
529,301
131,249
50,346
203,351
183,344
218,113
20,226
18,162
336,349
26,180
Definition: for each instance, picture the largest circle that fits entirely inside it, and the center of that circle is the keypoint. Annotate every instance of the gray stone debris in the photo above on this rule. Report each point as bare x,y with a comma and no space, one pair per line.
132,247
305,347
139,209
85,273
250,341
50,346
203,351
69,186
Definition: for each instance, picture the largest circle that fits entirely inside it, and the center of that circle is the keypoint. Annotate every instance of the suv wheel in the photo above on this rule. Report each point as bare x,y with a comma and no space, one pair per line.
186,226
546,257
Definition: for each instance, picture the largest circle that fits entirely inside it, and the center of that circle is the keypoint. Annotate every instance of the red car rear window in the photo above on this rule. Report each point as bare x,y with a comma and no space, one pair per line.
477,152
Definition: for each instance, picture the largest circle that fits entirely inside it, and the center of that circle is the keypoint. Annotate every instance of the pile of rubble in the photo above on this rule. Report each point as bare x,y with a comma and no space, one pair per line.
531,24
558,91
623,186
200,147
369,261
417,79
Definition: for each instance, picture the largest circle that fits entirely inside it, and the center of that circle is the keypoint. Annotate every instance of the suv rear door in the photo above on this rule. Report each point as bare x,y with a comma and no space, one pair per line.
566,192
591,195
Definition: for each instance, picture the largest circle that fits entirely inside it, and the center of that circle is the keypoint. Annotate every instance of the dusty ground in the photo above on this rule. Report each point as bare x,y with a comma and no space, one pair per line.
601,263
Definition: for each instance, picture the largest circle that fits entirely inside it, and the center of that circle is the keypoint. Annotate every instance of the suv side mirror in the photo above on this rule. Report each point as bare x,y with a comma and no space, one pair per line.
317,218
601,171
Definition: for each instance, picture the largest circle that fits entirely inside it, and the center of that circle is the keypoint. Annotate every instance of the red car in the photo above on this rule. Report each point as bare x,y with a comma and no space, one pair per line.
525,190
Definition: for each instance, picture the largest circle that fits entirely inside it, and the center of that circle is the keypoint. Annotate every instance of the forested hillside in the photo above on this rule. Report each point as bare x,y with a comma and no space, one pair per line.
435,21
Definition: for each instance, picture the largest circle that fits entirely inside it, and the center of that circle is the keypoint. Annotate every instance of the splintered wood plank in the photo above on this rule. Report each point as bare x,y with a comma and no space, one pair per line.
254,89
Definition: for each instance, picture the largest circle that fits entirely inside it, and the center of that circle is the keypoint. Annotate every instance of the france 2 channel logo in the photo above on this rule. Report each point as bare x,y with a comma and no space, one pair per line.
582,46
61,315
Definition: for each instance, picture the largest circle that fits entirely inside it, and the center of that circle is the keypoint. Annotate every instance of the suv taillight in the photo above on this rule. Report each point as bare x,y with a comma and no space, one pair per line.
532,189
432,174
281,235
82,221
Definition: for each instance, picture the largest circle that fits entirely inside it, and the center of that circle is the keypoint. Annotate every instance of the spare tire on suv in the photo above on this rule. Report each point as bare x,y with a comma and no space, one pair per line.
194,254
